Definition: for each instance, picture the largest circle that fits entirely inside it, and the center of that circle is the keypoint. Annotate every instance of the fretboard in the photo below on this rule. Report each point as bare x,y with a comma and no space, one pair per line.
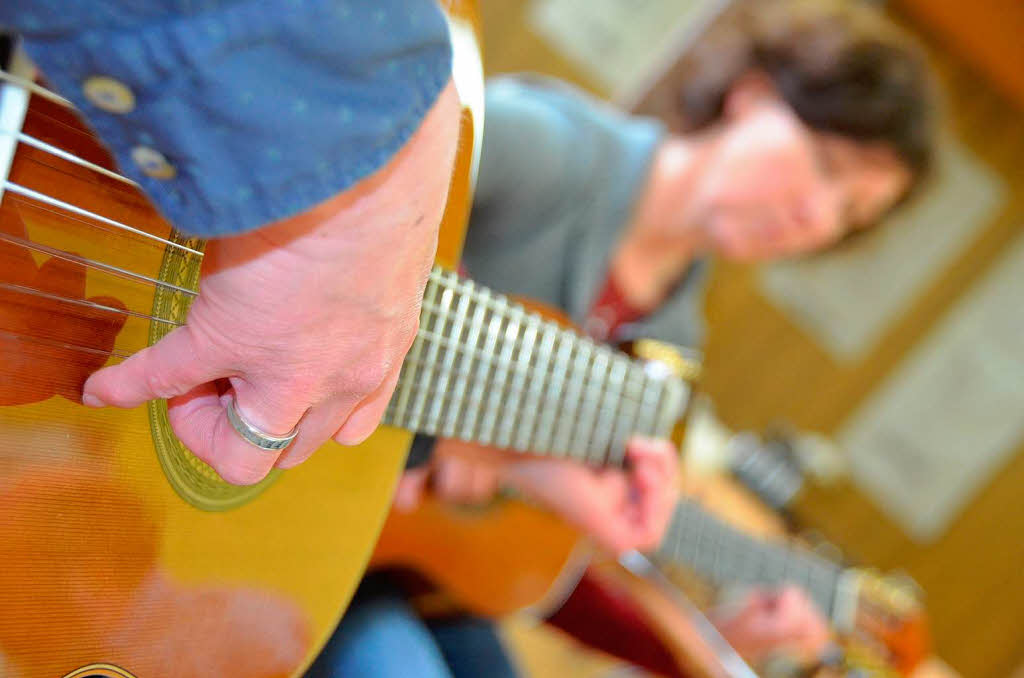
724,555
485,369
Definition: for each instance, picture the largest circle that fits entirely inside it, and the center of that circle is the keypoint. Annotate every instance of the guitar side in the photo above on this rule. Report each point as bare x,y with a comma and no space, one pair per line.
491,560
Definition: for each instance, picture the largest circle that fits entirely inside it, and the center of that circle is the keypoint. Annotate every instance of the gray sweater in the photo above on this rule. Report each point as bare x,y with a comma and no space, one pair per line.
559,178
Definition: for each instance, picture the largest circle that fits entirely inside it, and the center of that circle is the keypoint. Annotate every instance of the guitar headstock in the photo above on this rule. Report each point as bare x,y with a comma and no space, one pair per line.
887,612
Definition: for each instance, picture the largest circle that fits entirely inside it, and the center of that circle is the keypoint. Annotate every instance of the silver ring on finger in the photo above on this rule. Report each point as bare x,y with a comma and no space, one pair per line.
256,436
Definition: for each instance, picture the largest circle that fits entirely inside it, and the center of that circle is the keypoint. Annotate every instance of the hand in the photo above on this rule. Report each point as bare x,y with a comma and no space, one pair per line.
622,509
768,622
308,318
459,472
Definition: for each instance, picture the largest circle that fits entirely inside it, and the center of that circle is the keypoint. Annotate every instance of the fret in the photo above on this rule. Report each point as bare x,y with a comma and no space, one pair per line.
458,410
798,571
427,388
496,390
481,320
668,547
538,385
702,547
484,379
727,557
632,394
413,364
681,533
488,371
568,414
511,416
829,575
440,400
611,404
697,520
750,569
723,554
593,391
552,408
671,408
774,567
649,402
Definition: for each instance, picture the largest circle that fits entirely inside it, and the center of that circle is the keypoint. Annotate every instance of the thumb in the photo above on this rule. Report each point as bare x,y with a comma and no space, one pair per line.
171,367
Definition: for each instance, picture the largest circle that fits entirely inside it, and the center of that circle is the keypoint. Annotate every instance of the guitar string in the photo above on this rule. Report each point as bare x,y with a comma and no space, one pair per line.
425,376
93,264
783,563
70,157
65,155
114,352
17,336
425,373
55,202
110,269
32,87
11,287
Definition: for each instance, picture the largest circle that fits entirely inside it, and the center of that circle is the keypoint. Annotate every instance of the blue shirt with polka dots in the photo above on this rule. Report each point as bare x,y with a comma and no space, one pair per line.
263,108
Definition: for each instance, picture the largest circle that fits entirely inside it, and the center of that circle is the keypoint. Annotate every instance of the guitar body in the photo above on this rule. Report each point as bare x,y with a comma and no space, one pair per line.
123,555
491,560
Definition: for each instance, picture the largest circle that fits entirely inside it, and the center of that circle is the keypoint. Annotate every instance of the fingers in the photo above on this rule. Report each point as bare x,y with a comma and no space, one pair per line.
658,454
317,426
465,481
171,367
366,416
199,419
654,491
411,487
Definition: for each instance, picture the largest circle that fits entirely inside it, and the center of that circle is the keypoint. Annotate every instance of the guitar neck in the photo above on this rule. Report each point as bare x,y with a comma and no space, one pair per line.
486,370
722,554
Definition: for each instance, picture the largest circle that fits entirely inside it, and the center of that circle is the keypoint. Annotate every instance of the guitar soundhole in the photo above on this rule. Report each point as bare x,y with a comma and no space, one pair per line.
99,671
191,478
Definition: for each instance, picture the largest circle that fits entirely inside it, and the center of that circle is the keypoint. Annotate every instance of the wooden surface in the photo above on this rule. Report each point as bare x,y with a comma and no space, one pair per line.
761,369
987,34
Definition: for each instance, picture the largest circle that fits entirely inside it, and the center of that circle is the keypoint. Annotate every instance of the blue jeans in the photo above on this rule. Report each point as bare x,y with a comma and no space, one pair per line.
381,636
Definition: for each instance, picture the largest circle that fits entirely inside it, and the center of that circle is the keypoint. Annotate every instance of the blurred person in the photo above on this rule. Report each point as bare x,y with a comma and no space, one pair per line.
793,125
313,144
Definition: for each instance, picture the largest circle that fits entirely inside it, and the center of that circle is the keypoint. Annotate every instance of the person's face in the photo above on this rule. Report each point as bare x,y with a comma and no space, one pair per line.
775,187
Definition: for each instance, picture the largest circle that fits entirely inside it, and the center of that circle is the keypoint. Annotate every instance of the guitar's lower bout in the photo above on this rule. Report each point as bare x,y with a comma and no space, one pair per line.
492,561
121,554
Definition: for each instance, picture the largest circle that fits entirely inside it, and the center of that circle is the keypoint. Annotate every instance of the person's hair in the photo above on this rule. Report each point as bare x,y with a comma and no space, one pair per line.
842,66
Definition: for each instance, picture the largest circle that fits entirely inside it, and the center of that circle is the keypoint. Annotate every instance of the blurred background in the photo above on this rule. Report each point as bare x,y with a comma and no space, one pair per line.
890,371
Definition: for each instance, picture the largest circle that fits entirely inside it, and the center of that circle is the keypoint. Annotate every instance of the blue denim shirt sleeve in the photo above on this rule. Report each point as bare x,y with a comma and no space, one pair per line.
263,107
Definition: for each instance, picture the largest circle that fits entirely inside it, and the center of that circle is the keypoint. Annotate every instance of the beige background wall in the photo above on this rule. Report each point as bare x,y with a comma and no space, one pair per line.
761,368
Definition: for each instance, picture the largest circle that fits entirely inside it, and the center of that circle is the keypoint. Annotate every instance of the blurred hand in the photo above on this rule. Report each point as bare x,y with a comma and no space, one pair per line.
767,622
458,473
308,318
621,509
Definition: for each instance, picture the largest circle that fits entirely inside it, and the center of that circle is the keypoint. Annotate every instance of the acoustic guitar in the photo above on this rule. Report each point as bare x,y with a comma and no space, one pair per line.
501,558
121,554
